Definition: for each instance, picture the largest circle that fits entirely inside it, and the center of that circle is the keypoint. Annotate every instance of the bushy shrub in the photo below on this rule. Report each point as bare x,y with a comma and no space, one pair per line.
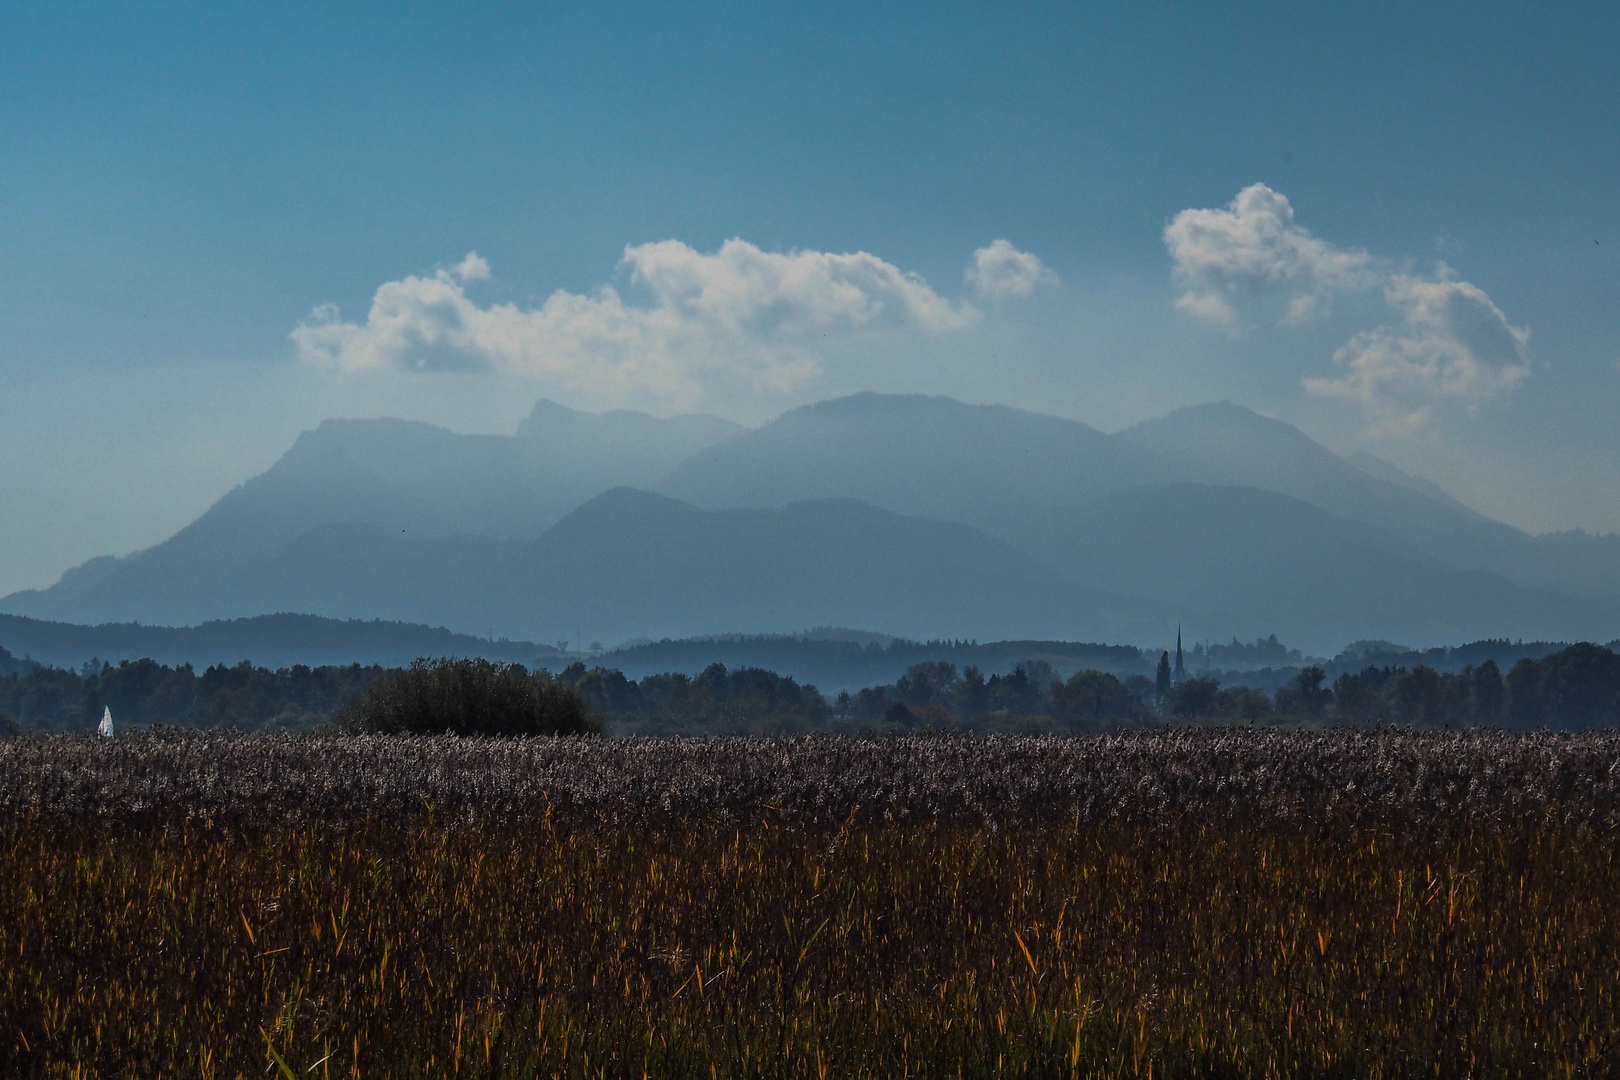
469,697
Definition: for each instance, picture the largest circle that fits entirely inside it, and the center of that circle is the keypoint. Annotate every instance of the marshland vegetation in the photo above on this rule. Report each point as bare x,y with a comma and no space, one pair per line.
1237,903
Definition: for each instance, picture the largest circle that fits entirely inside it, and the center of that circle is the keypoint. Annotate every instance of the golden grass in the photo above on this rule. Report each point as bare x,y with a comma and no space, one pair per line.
1483,944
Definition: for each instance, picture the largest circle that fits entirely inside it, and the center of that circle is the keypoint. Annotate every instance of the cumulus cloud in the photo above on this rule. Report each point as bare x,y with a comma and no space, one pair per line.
1209,306
739,314
1001,270
1453,343
473,268
1231,253
1449,342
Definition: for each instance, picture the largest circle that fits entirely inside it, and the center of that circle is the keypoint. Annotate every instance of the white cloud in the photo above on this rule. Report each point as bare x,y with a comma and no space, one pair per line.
473,268
737,315
1253,243
1455,343
1209,306
1302,309
1002,271
1451,344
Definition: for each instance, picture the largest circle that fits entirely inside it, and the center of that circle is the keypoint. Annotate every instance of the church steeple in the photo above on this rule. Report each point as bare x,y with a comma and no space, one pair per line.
1181,668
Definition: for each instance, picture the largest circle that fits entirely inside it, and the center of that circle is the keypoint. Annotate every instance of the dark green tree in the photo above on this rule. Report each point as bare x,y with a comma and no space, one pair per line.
1017,693
1580,687
1305,696
932,682
1524,705
1093,700
1418,696
1489,694
1242,703
1194,699
972,697
1356,700
1161,681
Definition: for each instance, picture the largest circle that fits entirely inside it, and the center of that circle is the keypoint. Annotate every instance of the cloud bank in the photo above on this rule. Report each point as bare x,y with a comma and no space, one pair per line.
739,316
1447,340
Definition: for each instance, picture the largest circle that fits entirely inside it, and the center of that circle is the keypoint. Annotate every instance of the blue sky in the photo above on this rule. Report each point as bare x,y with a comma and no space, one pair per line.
184,188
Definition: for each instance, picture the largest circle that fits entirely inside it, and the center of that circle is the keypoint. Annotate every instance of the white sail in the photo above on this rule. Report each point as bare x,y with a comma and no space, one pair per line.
105,728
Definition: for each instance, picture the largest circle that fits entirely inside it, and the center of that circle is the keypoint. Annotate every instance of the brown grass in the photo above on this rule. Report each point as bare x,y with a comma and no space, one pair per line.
1302,935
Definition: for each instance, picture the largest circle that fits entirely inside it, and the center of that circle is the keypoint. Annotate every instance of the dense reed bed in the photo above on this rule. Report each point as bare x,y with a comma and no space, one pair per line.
279,779
1194,904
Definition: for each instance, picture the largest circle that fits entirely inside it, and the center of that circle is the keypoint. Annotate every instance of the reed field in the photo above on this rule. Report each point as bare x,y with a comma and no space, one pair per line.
1194,903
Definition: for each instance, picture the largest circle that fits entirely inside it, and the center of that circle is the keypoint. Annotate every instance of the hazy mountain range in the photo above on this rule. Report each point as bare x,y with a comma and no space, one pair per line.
909,515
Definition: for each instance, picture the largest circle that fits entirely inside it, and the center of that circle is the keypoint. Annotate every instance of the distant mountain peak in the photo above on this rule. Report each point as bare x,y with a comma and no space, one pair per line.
549,420
629,500
1223,417
912,454
1223,407
872,403
547,410
868,401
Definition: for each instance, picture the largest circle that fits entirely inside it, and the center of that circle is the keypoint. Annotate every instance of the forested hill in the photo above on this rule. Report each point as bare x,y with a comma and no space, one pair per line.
840,659
834,664
271,641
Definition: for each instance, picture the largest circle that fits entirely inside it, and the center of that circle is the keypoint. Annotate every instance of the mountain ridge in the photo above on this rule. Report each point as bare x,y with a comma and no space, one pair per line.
632,564
1244,561
439,509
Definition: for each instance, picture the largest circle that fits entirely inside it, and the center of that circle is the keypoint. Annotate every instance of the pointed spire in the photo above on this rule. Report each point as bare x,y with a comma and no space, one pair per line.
1181,668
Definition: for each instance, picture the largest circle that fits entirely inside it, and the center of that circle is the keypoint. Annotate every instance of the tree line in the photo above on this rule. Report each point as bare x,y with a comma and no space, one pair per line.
1575,688
715,701
1032,696
141,692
